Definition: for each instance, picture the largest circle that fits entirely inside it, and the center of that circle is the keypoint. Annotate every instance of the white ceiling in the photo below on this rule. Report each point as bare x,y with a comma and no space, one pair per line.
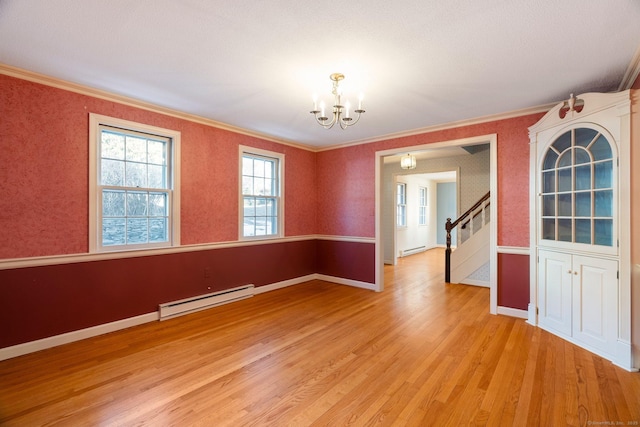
255,65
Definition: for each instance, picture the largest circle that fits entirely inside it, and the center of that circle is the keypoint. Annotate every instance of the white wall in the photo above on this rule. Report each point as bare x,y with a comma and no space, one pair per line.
414,235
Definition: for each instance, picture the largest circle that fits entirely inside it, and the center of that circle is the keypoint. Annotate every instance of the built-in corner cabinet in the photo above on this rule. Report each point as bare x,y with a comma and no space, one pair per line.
580,224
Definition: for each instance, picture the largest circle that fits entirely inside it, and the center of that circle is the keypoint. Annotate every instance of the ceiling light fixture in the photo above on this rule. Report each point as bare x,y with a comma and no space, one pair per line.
340,112
408,162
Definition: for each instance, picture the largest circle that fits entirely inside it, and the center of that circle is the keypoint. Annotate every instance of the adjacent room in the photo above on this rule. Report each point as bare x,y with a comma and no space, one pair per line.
296,213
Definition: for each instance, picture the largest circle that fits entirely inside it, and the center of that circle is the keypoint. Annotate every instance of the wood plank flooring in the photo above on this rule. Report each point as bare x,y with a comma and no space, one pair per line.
421,353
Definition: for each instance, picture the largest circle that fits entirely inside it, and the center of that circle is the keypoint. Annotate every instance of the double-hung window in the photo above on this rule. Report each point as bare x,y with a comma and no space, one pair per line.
261,193
401,204
134,198
422,208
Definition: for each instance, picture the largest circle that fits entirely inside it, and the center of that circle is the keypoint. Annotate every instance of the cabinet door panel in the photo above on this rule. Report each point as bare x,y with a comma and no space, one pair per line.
595,296
554,291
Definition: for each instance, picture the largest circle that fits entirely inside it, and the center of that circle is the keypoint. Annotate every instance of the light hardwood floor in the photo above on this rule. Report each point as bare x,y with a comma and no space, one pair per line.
421,353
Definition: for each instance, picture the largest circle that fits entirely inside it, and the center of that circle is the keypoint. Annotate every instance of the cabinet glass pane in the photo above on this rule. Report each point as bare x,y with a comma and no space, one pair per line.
583,204
549,205
565,159
584,136
603,176
577,183
564,230
550,160
549,181
601,150
581,156
603,203
563,142
603,232
549,229
564,179
583,231
583,177
564,204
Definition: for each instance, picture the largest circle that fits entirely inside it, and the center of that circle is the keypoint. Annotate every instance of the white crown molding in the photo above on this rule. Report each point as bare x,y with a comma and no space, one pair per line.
132,102
633,70
461,123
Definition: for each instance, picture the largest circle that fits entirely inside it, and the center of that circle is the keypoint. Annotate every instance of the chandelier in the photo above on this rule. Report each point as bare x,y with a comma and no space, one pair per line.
340,113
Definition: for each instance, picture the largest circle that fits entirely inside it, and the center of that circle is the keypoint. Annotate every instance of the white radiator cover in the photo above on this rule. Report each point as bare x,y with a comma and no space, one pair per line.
412,251
190,305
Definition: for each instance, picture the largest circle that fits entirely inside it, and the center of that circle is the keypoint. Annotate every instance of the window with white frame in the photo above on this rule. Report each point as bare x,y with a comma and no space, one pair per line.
422,207
134,198
401,204
261,210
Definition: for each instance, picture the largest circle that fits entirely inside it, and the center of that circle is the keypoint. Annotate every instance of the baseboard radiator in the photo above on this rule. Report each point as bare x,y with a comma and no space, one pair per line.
190,305
412,251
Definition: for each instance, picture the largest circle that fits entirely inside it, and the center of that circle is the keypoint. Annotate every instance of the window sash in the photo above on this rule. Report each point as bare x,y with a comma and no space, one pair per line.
401,207
422,208
261,202
133,177
142,217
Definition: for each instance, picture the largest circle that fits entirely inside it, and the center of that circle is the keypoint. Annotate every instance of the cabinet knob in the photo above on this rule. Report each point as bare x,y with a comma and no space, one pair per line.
575,273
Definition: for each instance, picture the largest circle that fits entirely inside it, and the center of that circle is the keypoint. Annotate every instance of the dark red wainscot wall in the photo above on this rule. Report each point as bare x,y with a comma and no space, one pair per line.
39,302
513,279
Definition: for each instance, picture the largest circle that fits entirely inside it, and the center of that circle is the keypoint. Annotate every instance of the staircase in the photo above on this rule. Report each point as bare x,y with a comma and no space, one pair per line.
472,251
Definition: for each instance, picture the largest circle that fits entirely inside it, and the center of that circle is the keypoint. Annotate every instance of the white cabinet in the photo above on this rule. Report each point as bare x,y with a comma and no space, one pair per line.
581,226
577,298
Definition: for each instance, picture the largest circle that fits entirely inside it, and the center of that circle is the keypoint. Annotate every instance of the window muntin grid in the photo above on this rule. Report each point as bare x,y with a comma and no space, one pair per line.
134,185
401,205
261,195
422,208
577,183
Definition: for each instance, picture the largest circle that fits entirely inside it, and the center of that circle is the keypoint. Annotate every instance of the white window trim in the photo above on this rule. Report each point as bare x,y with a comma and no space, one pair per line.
244,149
95,121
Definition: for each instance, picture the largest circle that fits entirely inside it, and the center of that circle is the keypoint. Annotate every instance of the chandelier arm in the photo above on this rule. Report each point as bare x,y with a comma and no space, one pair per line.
324,123
352,121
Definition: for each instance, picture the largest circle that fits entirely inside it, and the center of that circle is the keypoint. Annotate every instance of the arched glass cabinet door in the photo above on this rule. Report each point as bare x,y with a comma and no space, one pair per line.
578,196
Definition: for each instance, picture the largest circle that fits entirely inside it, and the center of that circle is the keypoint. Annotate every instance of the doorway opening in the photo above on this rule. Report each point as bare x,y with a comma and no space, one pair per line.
384,235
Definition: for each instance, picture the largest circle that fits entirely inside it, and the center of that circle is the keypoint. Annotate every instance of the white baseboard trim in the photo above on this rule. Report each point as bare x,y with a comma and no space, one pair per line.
513,312
348,282
284,284
69,337
473,282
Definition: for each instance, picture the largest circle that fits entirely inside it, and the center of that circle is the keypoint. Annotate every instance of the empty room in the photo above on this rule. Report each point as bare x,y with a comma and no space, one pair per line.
300,213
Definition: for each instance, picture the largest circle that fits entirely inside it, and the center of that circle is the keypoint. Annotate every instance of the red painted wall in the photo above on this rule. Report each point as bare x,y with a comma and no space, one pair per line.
44,172
513,275
44,210
346,181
